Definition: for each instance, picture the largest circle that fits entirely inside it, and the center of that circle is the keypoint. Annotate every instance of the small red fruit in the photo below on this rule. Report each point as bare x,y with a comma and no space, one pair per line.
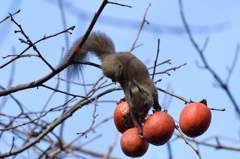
132,145
121,110
158,128
195,119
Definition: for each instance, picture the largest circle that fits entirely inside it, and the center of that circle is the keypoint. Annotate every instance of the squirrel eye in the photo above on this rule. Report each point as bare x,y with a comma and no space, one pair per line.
146,104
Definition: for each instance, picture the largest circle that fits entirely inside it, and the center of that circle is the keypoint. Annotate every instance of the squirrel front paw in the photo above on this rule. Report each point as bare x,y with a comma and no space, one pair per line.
114,81
140,133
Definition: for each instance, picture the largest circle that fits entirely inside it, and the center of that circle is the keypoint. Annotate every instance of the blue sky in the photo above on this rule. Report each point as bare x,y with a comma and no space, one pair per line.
217,20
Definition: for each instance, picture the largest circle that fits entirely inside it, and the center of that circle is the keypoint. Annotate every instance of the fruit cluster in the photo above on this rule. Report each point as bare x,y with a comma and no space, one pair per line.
158,128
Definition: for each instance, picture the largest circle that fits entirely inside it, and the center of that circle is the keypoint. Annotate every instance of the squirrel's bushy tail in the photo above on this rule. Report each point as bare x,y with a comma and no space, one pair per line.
97,43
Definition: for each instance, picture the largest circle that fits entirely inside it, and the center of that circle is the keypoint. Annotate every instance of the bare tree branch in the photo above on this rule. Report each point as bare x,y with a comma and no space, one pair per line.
30,42
112,146
155,63
233,65
140,29
173,68
186,141
44,38
174,95
9,16
66,115
218,146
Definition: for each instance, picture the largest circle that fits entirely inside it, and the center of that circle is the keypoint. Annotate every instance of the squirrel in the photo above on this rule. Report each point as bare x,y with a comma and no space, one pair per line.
124,68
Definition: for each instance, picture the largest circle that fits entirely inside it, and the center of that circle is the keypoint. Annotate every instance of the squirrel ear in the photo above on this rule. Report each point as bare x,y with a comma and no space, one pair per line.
129,89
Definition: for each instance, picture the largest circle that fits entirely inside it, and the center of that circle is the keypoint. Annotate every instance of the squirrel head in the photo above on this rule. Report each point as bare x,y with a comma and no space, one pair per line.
141,100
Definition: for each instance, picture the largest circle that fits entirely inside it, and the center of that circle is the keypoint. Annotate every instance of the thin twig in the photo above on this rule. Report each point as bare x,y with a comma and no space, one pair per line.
27,55
56,90
174,95
173,68
123,5
30,42
12,145
50,97
64,22
19,104
169,150
217,146
97,89
90,27
66,115
141,26
74,82
69,145
61,67
233,65
205,44
74,95
41,80
217,109
91,140
87,63
186,141
155,63
4,100
9,16
67,46
44,38
167,61
155,82
108,85
93,120
31,121
112,146
60,143
61,32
